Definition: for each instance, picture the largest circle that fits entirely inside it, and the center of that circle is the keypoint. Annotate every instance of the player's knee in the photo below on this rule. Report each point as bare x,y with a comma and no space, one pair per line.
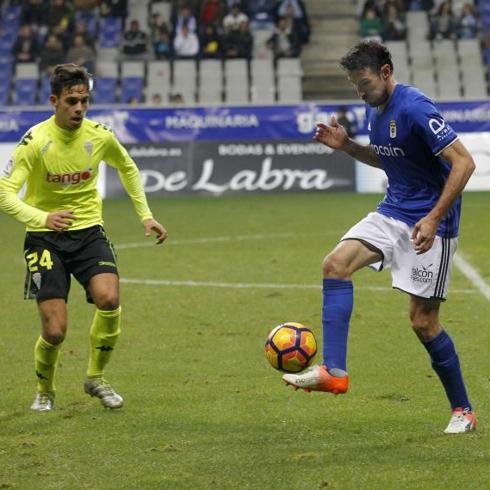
334,267
108,301
54,337
424,327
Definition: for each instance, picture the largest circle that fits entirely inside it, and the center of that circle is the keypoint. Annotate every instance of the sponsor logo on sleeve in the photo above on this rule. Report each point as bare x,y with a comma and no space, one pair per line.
9,167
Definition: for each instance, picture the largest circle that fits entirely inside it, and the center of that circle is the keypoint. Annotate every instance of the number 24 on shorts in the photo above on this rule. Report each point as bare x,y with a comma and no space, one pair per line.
33,260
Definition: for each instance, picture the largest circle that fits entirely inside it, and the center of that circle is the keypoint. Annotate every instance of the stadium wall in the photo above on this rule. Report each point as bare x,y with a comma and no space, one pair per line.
219,150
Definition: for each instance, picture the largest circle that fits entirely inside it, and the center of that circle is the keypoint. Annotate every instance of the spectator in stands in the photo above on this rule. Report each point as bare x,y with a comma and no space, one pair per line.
52,54
35,13
135,42
394,27
156,99
467,22
26,47
163,46
443,25
212,12
239,42
262,13
301,24
81,54
371,26
185,16
176,98
417,5
157,25
242,4
60,14
233,19
285,42
81,29
116,8
186,43
211,43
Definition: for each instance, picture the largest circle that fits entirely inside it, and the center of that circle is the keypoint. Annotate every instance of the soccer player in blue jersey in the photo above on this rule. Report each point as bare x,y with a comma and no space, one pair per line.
58,161
414,230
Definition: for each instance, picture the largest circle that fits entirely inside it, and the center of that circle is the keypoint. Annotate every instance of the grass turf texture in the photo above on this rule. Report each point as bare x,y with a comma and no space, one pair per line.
203,409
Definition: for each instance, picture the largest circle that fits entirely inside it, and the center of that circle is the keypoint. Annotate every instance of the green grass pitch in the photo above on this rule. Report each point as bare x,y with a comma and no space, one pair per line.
203,409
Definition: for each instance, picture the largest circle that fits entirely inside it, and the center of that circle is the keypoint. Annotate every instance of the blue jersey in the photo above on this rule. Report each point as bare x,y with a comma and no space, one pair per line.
408,135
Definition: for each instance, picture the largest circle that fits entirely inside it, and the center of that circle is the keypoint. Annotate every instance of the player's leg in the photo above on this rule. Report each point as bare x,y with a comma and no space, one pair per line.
53,315
424,316
338,297
104,332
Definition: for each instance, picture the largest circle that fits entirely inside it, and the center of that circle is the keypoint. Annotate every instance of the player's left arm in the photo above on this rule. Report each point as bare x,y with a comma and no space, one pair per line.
462,166
118,157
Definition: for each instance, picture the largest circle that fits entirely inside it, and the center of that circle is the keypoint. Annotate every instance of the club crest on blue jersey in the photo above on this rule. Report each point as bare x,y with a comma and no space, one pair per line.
392,128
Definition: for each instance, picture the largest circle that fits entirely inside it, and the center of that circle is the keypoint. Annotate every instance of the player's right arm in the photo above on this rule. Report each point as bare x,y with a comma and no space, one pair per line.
335,136
13,177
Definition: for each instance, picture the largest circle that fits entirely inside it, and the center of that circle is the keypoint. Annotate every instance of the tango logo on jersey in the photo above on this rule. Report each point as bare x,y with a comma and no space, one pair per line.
68,179
388,151
392,128
422,274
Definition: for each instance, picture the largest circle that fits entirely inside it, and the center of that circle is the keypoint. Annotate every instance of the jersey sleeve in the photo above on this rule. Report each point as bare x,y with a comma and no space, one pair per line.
13,177
429,124
118,157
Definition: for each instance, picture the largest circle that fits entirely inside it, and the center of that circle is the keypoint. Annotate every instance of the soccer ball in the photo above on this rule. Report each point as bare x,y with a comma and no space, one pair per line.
290,347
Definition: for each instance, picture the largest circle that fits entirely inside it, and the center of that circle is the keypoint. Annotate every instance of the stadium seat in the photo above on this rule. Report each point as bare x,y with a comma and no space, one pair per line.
262,86
105,90
89,18
289,73
417,25
44,90
423,79
289,90
210,81
158,80
25,91
162,8
132,88
110,32
184,79
138,10
4,91
236,81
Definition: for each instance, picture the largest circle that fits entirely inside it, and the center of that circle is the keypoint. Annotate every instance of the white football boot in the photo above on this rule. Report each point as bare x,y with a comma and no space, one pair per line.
461,421
101,389
44,402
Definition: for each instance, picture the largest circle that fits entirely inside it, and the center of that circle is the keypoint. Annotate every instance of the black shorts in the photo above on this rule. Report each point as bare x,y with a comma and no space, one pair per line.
51,257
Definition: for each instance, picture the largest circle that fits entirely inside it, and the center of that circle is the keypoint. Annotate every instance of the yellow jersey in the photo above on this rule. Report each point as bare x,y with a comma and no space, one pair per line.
60,169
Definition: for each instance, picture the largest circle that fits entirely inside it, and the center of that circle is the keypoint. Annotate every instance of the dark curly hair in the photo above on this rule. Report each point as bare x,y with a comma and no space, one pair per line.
367,54
68,75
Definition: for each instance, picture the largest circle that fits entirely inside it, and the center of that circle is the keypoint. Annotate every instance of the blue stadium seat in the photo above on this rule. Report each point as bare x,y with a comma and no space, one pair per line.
131,87
89,18
4,92
44,90
25,92
105,90
6,68
110,32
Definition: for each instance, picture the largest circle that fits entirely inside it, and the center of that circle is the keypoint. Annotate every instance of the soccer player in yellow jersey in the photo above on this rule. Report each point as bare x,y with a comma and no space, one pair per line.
58,160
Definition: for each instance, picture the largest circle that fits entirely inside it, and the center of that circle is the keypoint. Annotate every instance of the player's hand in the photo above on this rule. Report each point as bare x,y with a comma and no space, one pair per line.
60,220
423,235
333,135
152,225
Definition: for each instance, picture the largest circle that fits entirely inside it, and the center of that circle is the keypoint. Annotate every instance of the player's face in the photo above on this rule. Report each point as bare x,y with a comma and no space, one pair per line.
371,86
71,106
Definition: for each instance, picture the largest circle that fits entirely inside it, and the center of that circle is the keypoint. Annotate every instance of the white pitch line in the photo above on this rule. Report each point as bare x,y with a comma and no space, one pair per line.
241,285
227,238
472,274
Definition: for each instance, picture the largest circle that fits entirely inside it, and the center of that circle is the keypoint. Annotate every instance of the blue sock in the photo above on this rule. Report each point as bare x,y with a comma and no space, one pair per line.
445,363
338,299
